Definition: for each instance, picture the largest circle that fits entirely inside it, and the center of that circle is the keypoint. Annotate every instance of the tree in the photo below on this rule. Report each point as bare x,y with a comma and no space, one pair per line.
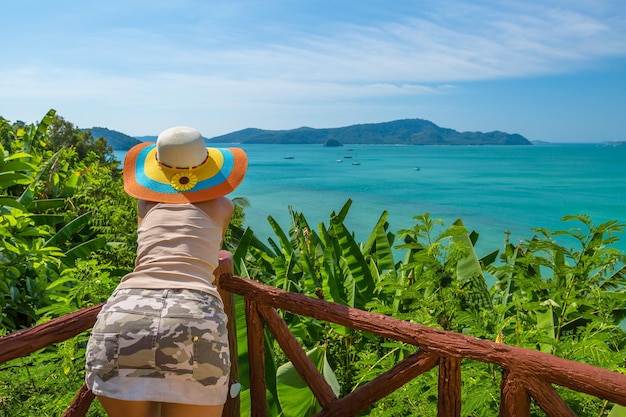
62,133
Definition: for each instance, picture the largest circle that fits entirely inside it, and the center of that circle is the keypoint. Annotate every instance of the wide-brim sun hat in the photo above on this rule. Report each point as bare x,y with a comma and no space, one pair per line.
180,168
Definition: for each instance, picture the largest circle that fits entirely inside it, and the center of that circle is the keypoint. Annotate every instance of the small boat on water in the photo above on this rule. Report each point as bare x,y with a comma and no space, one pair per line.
416,168
356,163
289,157
348,156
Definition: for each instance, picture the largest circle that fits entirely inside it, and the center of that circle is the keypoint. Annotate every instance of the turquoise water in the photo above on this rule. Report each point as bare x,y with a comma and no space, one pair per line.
493,189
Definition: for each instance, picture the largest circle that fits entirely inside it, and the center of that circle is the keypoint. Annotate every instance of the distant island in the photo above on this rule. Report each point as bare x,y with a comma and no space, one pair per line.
399,132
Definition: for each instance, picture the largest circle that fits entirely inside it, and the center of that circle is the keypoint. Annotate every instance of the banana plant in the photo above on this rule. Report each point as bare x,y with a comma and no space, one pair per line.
551,291
296,398
329,265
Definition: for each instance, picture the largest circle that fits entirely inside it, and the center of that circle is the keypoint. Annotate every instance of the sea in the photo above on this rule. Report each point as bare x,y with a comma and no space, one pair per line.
494,190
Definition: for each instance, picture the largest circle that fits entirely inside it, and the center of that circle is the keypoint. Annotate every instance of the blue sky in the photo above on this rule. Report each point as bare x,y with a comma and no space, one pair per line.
549,70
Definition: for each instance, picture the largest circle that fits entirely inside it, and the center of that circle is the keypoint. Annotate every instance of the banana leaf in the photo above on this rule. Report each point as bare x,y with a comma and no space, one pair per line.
16,165
545,326
48,219
8,179
285,242
470,273
296,398
355,263
64,235
27,196
617,411
71,184
83,250
11,202
331,284
380,243
39,206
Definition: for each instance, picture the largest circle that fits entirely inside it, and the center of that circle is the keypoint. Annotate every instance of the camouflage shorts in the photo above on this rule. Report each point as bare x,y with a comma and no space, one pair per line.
160,345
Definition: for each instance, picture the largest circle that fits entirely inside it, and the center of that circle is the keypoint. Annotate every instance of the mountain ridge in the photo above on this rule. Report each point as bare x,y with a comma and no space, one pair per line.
397,132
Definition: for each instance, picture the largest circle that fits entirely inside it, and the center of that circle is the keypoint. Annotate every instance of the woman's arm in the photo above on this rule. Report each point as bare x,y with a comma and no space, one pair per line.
221,210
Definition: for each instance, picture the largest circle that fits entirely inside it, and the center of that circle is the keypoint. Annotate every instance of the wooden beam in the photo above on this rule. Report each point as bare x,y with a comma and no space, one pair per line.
57,330
548,399
307,370
384,384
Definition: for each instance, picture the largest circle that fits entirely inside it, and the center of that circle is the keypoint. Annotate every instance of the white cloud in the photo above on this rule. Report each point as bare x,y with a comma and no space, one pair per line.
151,58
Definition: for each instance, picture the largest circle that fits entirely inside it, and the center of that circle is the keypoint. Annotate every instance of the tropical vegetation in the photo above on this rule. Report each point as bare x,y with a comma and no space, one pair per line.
68,236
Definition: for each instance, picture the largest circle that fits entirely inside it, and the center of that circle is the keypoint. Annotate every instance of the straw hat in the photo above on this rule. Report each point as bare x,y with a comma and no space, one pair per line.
179,168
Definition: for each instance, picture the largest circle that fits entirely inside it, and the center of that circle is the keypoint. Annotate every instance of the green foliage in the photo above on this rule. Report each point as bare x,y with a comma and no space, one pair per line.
547,296
44,384
64,246
295,396
68,235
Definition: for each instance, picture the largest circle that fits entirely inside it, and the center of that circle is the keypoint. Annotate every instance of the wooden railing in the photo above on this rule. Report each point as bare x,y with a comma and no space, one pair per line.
528,375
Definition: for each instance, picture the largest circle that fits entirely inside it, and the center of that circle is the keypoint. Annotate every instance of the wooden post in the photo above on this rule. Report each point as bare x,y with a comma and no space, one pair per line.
256,355
223,272
514,400
449,387
81,403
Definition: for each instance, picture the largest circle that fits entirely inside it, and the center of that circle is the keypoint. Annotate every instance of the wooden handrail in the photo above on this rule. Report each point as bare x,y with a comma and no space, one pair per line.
27,341
526,374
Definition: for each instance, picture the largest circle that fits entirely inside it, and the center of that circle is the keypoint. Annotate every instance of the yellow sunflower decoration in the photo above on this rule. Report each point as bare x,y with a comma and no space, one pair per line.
183,180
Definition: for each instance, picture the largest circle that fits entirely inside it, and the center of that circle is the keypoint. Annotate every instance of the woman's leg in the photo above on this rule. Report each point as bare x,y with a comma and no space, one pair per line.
122,408
176,410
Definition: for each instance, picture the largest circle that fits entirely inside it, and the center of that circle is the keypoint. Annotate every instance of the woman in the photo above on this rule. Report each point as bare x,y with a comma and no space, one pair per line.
159,347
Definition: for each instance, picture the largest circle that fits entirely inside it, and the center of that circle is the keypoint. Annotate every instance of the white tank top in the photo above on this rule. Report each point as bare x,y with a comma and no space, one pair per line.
177,248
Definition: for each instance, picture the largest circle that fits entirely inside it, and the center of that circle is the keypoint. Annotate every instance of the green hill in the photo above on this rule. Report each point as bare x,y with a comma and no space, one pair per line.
399,132
117,140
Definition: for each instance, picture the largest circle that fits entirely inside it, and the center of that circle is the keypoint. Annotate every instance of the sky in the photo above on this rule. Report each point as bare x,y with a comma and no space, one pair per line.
549,70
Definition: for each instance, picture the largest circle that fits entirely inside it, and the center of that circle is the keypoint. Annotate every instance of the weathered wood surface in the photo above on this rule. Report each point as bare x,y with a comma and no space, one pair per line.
232,408
514,400
307,370
27,341
525,363
548,399
449,397
80,404
256,355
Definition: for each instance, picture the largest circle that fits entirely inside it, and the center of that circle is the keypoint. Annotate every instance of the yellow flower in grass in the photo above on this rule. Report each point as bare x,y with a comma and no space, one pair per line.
183,180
